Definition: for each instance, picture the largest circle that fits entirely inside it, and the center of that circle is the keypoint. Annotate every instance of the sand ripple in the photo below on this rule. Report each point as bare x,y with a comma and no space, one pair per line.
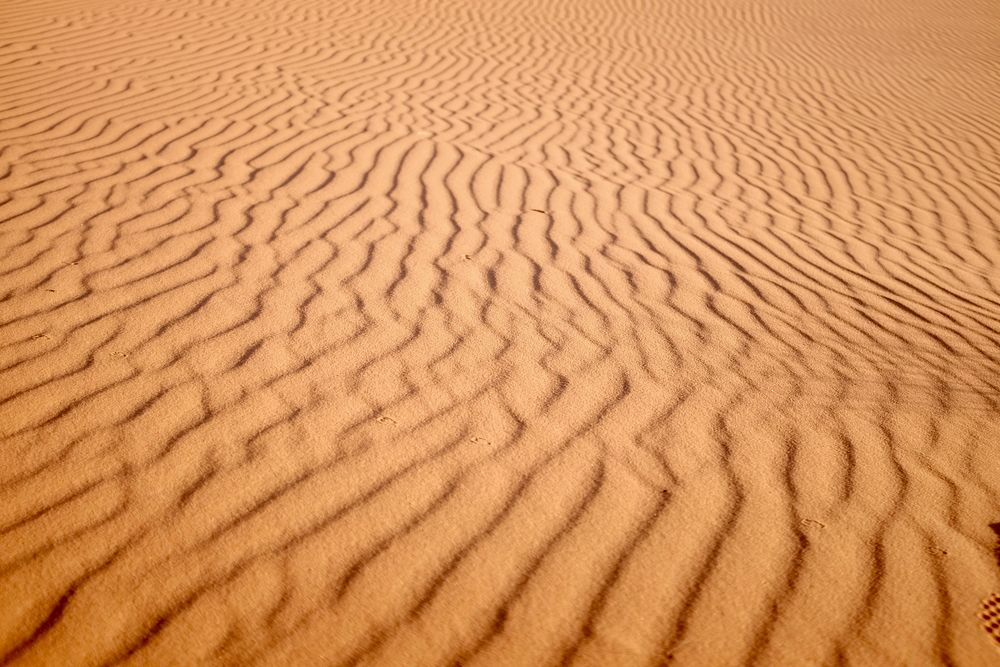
579,332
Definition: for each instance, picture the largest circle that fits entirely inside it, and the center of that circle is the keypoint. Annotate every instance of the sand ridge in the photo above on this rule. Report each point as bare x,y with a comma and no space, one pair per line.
499,333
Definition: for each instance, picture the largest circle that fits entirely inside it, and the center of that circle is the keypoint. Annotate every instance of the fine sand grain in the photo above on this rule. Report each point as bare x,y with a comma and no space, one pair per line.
499,332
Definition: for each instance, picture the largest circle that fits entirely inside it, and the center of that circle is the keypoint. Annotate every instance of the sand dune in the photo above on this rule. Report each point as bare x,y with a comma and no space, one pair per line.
603,332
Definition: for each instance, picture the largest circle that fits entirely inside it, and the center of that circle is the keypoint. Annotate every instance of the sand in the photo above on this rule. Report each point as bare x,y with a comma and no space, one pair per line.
411,332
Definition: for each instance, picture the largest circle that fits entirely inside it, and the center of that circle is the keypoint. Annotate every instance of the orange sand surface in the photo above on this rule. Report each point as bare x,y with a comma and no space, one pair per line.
499,332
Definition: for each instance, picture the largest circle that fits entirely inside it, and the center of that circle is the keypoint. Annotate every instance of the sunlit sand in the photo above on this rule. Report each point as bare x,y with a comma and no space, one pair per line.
589,332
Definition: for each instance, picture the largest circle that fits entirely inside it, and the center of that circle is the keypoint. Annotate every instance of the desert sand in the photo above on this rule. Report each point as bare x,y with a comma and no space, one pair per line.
499,332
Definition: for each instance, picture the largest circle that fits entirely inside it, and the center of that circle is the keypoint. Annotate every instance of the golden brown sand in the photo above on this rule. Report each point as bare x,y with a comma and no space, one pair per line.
493,332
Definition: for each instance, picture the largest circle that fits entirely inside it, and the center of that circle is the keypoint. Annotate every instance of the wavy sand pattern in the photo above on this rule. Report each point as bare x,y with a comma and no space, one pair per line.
445,332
